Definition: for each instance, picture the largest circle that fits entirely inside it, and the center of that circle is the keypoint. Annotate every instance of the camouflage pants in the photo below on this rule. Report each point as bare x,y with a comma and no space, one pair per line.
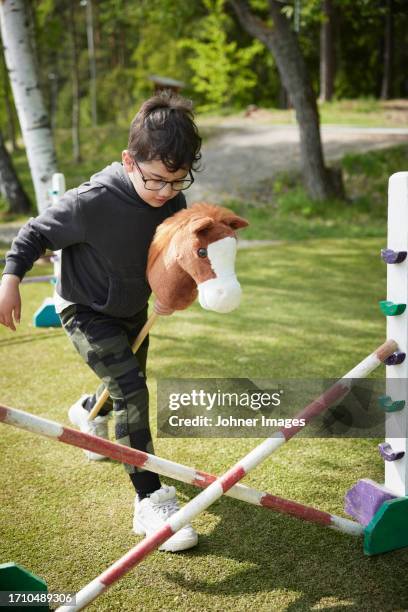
104,342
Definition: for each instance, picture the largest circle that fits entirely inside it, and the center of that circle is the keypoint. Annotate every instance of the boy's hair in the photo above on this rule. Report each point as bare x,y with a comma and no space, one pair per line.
164,129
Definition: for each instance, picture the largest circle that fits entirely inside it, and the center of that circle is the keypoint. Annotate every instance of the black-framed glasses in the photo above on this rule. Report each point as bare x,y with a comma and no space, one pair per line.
157,184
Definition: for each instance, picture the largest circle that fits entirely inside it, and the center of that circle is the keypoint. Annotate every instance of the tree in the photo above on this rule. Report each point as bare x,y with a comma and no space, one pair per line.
10,187
92,60
27,97
327,57
321,182
76,142
388,51
221,70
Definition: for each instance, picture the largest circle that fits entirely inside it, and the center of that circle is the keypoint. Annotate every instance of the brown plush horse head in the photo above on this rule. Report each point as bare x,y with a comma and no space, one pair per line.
193,252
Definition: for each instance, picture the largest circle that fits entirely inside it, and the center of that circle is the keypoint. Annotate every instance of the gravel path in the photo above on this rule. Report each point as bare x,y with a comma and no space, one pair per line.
244,154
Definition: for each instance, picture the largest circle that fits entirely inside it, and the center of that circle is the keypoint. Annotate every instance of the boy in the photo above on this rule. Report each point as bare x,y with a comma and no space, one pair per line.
104,228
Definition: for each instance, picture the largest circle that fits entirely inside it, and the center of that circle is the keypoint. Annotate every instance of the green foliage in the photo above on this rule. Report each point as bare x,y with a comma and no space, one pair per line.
221,70
116,100
157,53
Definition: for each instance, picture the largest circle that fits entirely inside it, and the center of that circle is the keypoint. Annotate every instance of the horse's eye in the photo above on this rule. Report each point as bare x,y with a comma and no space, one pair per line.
202,252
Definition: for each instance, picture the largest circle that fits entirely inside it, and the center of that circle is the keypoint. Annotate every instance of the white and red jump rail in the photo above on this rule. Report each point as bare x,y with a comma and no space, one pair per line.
215,487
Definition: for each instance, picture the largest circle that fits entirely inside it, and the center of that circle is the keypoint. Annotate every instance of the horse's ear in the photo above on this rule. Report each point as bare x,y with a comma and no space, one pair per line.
235,222
199,225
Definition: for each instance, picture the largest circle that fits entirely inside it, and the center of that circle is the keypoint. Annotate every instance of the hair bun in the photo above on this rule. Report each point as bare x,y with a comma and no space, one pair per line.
163,100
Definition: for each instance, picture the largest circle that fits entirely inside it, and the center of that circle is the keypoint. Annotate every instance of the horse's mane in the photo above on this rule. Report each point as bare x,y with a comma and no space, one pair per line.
167,230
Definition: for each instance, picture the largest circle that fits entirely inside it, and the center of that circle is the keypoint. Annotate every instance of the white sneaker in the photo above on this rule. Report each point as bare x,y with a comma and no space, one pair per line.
98,427
151,513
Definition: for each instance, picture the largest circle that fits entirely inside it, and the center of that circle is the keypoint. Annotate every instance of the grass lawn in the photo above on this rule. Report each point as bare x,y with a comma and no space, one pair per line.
363,112
309,310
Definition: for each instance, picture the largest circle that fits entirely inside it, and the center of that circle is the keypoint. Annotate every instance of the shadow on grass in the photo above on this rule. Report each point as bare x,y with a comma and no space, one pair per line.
30,338
287,554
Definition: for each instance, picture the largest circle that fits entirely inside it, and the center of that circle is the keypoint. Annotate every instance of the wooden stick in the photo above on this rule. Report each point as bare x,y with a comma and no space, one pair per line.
135,347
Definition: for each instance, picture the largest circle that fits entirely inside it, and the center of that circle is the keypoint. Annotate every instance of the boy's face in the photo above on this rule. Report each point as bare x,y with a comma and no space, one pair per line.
156,170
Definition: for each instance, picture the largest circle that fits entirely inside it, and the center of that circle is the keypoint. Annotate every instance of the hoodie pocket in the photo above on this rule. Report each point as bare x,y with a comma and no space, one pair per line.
128,293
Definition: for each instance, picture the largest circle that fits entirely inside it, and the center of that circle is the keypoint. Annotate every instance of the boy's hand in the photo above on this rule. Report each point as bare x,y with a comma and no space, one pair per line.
161,310
10,301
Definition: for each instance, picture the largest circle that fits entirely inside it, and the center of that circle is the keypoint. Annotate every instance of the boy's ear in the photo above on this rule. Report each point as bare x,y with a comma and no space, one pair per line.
127,160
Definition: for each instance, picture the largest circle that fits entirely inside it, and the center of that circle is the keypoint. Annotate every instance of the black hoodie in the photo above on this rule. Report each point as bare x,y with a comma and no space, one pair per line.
104,229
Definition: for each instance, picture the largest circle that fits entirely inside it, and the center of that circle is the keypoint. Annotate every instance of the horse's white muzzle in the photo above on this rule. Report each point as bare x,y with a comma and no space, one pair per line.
220,294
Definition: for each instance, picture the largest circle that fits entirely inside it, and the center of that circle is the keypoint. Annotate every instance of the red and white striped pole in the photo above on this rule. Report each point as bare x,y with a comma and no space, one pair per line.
220,486
165,467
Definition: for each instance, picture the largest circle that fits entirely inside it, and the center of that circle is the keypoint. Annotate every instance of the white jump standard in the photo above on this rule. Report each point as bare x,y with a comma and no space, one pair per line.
383,508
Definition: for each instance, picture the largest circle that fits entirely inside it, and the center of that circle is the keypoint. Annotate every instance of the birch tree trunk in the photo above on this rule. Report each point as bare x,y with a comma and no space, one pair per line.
28,99
321,182
10,187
